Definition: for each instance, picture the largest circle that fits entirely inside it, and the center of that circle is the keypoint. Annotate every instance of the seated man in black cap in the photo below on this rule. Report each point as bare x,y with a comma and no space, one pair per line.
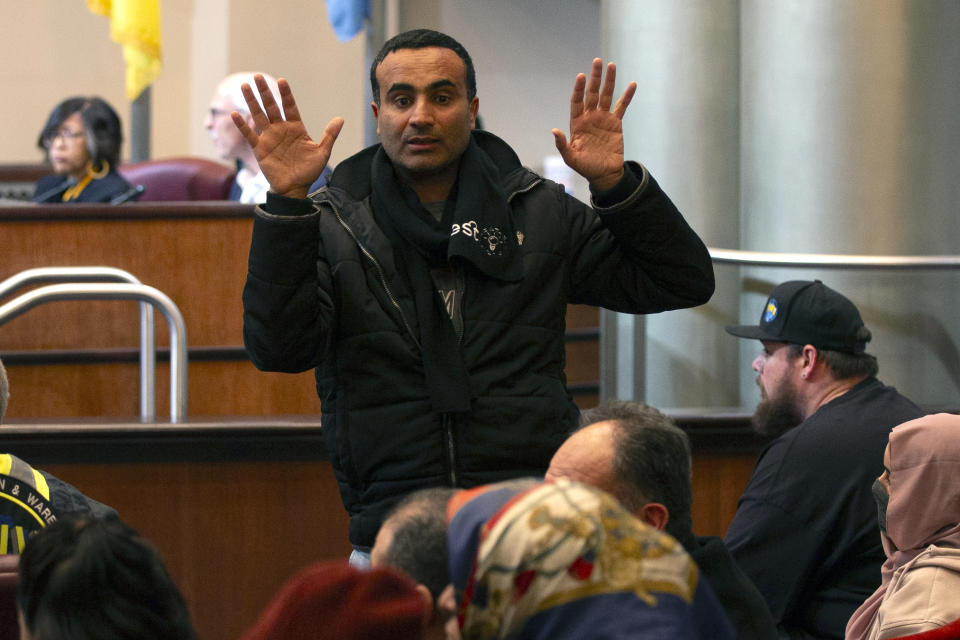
806,530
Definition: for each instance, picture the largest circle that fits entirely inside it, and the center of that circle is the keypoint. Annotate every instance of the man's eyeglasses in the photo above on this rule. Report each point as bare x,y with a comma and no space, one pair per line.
216,113
66,135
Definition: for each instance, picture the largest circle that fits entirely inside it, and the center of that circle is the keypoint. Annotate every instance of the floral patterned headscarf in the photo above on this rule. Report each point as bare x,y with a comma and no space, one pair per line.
564,560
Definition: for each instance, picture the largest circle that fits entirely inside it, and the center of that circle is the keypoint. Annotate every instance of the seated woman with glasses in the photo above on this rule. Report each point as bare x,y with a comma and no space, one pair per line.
82,143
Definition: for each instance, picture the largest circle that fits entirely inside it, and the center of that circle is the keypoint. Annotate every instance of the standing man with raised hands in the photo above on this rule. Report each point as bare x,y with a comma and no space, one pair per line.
428,283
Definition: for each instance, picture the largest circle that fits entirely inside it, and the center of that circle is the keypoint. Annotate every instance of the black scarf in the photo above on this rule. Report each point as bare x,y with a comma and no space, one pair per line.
475,228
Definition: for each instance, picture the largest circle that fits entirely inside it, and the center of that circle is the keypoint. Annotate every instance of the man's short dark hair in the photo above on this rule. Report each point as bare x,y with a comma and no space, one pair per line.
841,364
96,579
651,460
101,124
419,546
421,39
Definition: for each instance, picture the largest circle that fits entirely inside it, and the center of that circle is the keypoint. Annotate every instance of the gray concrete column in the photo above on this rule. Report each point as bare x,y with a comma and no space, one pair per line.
851,144
683,125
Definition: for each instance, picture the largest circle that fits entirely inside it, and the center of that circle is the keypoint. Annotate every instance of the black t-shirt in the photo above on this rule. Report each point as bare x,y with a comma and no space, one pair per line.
806,531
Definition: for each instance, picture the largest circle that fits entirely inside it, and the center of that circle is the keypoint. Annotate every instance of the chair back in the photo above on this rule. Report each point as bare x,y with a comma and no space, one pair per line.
180,178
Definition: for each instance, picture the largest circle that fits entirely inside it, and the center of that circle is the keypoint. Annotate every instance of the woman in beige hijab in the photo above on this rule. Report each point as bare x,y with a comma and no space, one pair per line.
918,497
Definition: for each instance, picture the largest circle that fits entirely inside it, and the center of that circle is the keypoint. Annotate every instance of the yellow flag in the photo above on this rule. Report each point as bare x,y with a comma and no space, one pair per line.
135,24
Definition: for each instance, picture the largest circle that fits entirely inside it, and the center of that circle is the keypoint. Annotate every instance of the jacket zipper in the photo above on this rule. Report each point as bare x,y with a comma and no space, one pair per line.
524,188
383,279
447,419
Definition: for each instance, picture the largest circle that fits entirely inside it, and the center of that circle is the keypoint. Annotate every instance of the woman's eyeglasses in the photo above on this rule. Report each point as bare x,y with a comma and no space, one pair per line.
66,135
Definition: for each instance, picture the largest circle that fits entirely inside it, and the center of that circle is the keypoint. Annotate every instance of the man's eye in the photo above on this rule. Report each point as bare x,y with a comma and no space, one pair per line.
401,101
442,99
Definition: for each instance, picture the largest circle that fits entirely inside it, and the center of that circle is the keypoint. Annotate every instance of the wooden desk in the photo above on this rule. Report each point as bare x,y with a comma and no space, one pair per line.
235,507
238,505
80,358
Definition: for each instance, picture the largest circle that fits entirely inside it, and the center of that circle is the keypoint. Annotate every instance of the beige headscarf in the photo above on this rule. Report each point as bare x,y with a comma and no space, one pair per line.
924,506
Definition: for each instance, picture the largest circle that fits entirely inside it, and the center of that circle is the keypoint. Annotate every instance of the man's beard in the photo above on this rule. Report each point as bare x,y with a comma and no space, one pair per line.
776,416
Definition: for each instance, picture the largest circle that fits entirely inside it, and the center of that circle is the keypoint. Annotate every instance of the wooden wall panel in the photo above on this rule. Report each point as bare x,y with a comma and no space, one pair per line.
718,483
230,533
200,263
197,255
214,389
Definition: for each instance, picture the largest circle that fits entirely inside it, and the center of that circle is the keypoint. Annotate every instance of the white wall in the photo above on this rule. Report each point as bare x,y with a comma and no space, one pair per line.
526,52
58,48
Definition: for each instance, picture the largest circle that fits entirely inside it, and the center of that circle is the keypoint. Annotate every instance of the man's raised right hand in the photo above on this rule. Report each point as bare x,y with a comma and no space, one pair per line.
289,158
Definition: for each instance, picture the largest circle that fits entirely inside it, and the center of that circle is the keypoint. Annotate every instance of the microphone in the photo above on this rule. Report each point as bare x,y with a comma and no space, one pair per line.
131,194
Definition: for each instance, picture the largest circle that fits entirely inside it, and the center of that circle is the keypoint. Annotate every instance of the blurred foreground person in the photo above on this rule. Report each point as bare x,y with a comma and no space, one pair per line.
918,498
97,579
332,600
565,560
81,140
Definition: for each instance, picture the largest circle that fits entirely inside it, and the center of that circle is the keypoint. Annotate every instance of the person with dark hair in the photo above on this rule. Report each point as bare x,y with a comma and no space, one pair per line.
97,579
81,141
640,457
413,538
805,530
427,284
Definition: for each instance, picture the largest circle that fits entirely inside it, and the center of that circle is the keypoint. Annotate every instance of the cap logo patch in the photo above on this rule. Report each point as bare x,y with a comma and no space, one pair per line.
771,311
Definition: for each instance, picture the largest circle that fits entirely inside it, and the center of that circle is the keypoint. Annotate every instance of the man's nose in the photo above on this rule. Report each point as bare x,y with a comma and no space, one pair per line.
758,364
422,112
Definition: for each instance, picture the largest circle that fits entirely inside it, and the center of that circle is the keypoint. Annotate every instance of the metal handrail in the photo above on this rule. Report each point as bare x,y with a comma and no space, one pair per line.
139,292
148,346
832,260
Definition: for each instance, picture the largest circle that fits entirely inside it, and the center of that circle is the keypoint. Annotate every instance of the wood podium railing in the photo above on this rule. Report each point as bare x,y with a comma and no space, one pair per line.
79,359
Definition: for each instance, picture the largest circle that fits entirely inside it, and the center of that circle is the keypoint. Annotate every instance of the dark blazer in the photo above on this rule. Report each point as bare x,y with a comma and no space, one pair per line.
50,188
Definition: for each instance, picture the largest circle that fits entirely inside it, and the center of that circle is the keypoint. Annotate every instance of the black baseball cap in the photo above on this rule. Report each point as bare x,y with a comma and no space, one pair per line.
808,312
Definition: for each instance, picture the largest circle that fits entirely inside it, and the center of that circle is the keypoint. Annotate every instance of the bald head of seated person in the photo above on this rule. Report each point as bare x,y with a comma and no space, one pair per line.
805,530
639,456
250,185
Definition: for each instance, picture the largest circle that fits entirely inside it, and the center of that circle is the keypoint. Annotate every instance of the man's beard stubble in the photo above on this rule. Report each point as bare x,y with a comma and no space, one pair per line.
776,416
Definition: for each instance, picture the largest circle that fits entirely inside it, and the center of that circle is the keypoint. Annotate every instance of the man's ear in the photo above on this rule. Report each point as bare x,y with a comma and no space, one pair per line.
474,109
376,115
809,359
655,514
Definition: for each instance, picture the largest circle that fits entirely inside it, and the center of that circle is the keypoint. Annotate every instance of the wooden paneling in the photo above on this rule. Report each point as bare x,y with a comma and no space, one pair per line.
196,253
236,507
199,262
718,483
230,533
214,389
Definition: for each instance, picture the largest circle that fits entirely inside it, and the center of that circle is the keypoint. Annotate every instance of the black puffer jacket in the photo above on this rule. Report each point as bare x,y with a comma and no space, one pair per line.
323,291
